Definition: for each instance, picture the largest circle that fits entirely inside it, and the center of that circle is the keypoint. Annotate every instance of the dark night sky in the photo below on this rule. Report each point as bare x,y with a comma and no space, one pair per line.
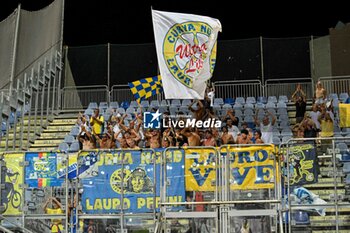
129,21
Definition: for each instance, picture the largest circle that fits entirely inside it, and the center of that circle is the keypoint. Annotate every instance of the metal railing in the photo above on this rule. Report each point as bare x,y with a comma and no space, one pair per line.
276,87
336,84
233,89
74,97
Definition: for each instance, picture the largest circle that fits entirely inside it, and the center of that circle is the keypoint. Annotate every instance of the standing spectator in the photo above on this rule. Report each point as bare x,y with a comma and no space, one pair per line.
232,129
192,137
230,114
56,224
97,122
314,114
299,99
211,95
266,127
320,94
209,139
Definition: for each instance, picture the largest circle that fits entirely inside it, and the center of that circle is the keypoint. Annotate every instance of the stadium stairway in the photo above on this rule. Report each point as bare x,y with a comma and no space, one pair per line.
28,136
55,132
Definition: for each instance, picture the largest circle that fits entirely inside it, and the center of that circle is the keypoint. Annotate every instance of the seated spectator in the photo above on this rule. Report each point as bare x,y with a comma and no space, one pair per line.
209,139
257,137
243,137
226,137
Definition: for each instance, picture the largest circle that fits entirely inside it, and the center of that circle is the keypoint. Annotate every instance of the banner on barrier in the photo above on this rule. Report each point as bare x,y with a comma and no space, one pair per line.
41,170
72,166
302,164
200,169
106,177
12,177
252,167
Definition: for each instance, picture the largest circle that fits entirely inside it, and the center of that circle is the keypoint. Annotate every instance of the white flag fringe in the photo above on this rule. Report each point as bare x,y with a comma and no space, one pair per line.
186,51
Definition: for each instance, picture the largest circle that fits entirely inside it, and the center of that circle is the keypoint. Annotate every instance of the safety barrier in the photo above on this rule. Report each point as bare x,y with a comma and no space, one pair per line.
336,84
316,181
194,189
79,97
274,87
233,89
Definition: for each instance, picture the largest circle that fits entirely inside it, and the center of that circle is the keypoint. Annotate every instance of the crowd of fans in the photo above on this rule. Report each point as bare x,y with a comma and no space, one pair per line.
97,132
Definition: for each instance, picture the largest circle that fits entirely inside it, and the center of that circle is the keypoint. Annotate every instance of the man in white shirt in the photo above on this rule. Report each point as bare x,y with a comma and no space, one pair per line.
266,127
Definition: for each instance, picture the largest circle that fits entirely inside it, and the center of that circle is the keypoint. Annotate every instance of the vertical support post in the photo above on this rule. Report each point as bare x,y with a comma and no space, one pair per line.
108,72
262,64
14,52
60,58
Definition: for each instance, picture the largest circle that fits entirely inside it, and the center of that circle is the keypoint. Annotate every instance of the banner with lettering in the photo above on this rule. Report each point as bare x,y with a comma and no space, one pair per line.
107,177
12,178
41,170
186,51
302,164
72,166
251,167
200,169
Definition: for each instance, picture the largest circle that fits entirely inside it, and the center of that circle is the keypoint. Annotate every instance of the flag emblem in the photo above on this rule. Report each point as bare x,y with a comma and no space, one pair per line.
186,47
147,87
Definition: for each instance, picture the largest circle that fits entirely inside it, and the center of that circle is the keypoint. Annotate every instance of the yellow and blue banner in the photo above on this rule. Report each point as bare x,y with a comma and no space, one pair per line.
200,169
251,167
344,115
147,87
12,178
302,164
131,175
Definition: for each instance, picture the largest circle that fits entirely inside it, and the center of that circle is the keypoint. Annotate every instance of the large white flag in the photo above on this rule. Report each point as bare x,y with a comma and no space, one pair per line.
186,50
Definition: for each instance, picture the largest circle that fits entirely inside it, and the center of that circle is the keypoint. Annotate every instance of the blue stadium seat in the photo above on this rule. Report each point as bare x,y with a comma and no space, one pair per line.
63,146
164,103
346,168
186,102
249,106
281,105
69,139
283,98
272,99
133,104
74,147
89,112
218,101
251,100
114,105
155,104
227,106
229,101
93,105
301,217
121,110
125,104
75,131
145,103
176,102
333,96
270,105
103,105
343,96
262,99
240,100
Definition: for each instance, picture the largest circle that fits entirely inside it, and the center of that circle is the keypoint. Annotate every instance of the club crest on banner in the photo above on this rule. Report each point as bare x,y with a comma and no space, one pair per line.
185,49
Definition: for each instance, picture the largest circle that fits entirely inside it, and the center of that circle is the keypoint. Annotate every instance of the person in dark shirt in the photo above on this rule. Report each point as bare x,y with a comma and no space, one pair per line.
299,99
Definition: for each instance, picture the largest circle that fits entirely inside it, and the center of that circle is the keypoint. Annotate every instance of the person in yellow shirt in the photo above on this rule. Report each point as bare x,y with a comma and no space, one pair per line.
56,224
97,122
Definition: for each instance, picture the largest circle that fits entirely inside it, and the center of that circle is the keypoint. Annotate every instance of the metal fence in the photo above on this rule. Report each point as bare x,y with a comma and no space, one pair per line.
235,89
276,87
336,84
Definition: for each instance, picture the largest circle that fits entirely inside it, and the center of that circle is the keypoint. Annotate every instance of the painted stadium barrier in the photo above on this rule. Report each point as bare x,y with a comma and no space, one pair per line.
192,189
